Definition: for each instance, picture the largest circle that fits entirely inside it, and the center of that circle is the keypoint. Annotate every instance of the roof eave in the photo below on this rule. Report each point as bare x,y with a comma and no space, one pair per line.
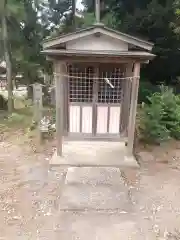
143,55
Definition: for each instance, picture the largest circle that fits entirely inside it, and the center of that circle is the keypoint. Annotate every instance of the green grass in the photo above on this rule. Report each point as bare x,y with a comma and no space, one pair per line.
22,116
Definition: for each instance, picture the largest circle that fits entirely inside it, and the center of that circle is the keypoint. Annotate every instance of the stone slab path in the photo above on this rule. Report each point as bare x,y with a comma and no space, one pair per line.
94,188
94,204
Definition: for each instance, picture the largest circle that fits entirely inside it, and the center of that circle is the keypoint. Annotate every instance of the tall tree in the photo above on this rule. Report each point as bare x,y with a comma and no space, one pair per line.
152,20
7,54
11,14
27,58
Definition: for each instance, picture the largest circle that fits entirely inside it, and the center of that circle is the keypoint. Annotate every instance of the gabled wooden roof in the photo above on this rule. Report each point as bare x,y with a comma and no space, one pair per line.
97,28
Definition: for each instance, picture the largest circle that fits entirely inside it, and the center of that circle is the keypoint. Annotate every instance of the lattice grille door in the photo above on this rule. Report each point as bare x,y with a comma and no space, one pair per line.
95,96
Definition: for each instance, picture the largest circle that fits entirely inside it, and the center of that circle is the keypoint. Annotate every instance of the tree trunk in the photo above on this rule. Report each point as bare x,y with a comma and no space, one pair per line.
8,64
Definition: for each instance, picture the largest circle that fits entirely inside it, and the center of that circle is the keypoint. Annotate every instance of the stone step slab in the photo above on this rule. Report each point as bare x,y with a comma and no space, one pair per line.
86,197
94,176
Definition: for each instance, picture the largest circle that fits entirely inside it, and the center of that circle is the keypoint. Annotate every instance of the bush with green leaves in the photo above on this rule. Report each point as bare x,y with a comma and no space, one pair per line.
160,118
171,117
146,89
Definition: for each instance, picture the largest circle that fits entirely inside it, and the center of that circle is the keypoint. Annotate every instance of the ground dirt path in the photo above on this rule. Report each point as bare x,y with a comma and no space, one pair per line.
37,202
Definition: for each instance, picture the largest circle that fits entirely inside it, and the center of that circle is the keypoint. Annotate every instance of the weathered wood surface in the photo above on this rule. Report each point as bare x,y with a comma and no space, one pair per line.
133,109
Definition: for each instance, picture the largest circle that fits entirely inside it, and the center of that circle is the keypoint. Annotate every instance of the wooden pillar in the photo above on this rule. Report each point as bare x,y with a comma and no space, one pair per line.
133,108
95,100
125,104
66,104
59,70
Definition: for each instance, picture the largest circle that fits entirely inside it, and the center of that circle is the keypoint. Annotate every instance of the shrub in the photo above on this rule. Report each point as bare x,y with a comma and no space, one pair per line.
160,118
146,89
171,117
152,128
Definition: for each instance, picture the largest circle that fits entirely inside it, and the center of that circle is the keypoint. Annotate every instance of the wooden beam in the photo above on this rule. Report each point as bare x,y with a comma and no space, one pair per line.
133,108
94,60
59,68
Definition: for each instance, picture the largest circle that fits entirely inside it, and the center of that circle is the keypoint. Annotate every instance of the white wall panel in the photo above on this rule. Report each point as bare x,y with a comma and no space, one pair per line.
102,115
74,119
87,119
114,120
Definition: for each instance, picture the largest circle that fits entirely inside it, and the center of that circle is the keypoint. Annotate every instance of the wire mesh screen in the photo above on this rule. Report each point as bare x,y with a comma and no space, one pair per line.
82,80
110,86
80,83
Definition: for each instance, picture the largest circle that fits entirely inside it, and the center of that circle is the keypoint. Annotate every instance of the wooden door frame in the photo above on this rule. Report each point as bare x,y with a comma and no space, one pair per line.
95,100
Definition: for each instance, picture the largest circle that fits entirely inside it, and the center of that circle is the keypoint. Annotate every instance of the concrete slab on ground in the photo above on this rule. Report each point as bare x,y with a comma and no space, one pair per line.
91,153
94,176
94,189
86,197
91,226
